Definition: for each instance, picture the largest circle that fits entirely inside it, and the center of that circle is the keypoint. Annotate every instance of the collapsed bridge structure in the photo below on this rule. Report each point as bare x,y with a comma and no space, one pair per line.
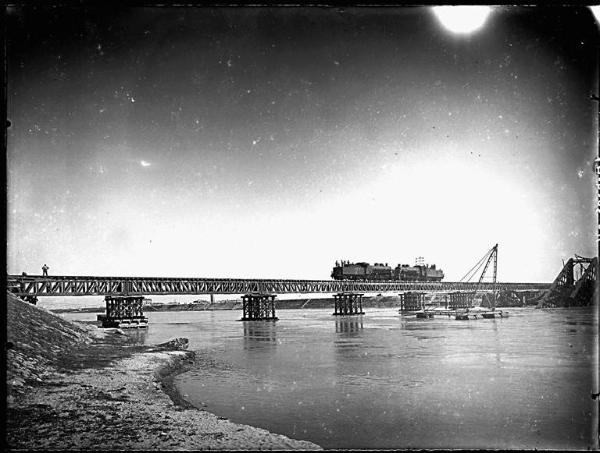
575,285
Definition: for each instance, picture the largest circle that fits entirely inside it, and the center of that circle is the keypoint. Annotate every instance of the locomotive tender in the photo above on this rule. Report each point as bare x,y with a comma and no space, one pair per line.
379,271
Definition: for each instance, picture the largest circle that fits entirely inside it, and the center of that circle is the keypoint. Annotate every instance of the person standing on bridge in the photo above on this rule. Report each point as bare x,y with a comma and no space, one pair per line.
45,270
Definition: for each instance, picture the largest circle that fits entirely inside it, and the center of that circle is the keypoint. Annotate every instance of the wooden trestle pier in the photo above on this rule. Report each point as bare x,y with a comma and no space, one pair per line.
348,304
414,301
124,312
258,307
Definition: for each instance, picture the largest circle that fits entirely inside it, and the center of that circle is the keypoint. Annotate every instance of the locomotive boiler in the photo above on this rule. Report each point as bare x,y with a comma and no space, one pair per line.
361,271
346,270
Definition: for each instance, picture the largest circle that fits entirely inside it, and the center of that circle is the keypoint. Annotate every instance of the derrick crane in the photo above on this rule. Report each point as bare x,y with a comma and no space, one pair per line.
487,259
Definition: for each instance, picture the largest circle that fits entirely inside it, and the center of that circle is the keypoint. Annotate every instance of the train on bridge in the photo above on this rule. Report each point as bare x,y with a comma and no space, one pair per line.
362,271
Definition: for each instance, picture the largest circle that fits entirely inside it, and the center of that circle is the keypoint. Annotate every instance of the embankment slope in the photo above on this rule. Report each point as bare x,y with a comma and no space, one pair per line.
72,386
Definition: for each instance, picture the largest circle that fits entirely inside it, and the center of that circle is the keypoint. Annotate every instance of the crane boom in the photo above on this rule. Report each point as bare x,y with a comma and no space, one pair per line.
492,253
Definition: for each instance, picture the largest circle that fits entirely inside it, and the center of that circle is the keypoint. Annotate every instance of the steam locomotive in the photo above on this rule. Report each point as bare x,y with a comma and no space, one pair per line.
402,272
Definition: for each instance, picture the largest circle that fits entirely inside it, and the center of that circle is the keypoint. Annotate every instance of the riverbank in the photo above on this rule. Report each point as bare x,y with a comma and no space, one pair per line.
73,386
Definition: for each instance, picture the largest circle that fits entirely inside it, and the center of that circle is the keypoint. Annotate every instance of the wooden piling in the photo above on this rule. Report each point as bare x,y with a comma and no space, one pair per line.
124,311
412,301
258,307
348,304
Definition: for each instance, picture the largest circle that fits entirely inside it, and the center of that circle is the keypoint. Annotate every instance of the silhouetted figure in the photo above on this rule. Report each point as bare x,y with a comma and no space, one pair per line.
45,270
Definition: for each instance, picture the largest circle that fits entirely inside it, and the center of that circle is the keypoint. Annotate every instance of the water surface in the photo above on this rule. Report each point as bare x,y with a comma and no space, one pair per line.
385,381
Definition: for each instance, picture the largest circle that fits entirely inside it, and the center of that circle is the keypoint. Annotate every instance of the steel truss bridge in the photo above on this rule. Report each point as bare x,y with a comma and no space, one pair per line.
30,285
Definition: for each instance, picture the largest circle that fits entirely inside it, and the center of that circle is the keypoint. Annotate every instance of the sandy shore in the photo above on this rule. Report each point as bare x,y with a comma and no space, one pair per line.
106,395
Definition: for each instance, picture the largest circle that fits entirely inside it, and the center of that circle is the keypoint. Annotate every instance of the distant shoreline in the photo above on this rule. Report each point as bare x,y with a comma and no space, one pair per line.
285,304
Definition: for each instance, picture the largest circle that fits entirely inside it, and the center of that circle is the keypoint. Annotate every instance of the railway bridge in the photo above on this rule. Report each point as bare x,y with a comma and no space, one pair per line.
124,295
37,286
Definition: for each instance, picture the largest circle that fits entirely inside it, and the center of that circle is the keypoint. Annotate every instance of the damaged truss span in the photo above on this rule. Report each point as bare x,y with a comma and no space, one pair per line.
574,286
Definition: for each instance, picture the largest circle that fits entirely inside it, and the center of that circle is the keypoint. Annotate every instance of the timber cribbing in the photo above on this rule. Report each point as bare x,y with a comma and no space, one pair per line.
31,285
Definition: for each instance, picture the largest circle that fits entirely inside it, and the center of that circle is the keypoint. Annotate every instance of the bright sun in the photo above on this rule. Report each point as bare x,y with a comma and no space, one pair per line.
462,19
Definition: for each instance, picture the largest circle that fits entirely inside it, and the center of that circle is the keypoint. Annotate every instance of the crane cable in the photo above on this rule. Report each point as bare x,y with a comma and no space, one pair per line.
472,270
477,266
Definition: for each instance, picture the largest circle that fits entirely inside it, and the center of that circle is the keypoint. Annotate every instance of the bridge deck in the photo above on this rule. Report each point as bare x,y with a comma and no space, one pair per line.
31,285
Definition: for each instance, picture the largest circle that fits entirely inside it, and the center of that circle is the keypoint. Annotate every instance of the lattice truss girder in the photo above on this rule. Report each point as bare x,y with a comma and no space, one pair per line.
90,286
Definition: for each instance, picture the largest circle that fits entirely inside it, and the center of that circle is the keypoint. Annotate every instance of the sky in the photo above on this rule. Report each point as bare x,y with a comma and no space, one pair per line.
270,142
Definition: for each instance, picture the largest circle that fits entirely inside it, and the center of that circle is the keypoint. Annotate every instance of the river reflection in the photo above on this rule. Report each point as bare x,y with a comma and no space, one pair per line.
260,335
349,324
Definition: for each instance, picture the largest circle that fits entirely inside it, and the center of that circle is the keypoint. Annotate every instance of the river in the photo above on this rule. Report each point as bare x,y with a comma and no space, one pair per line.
382,380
